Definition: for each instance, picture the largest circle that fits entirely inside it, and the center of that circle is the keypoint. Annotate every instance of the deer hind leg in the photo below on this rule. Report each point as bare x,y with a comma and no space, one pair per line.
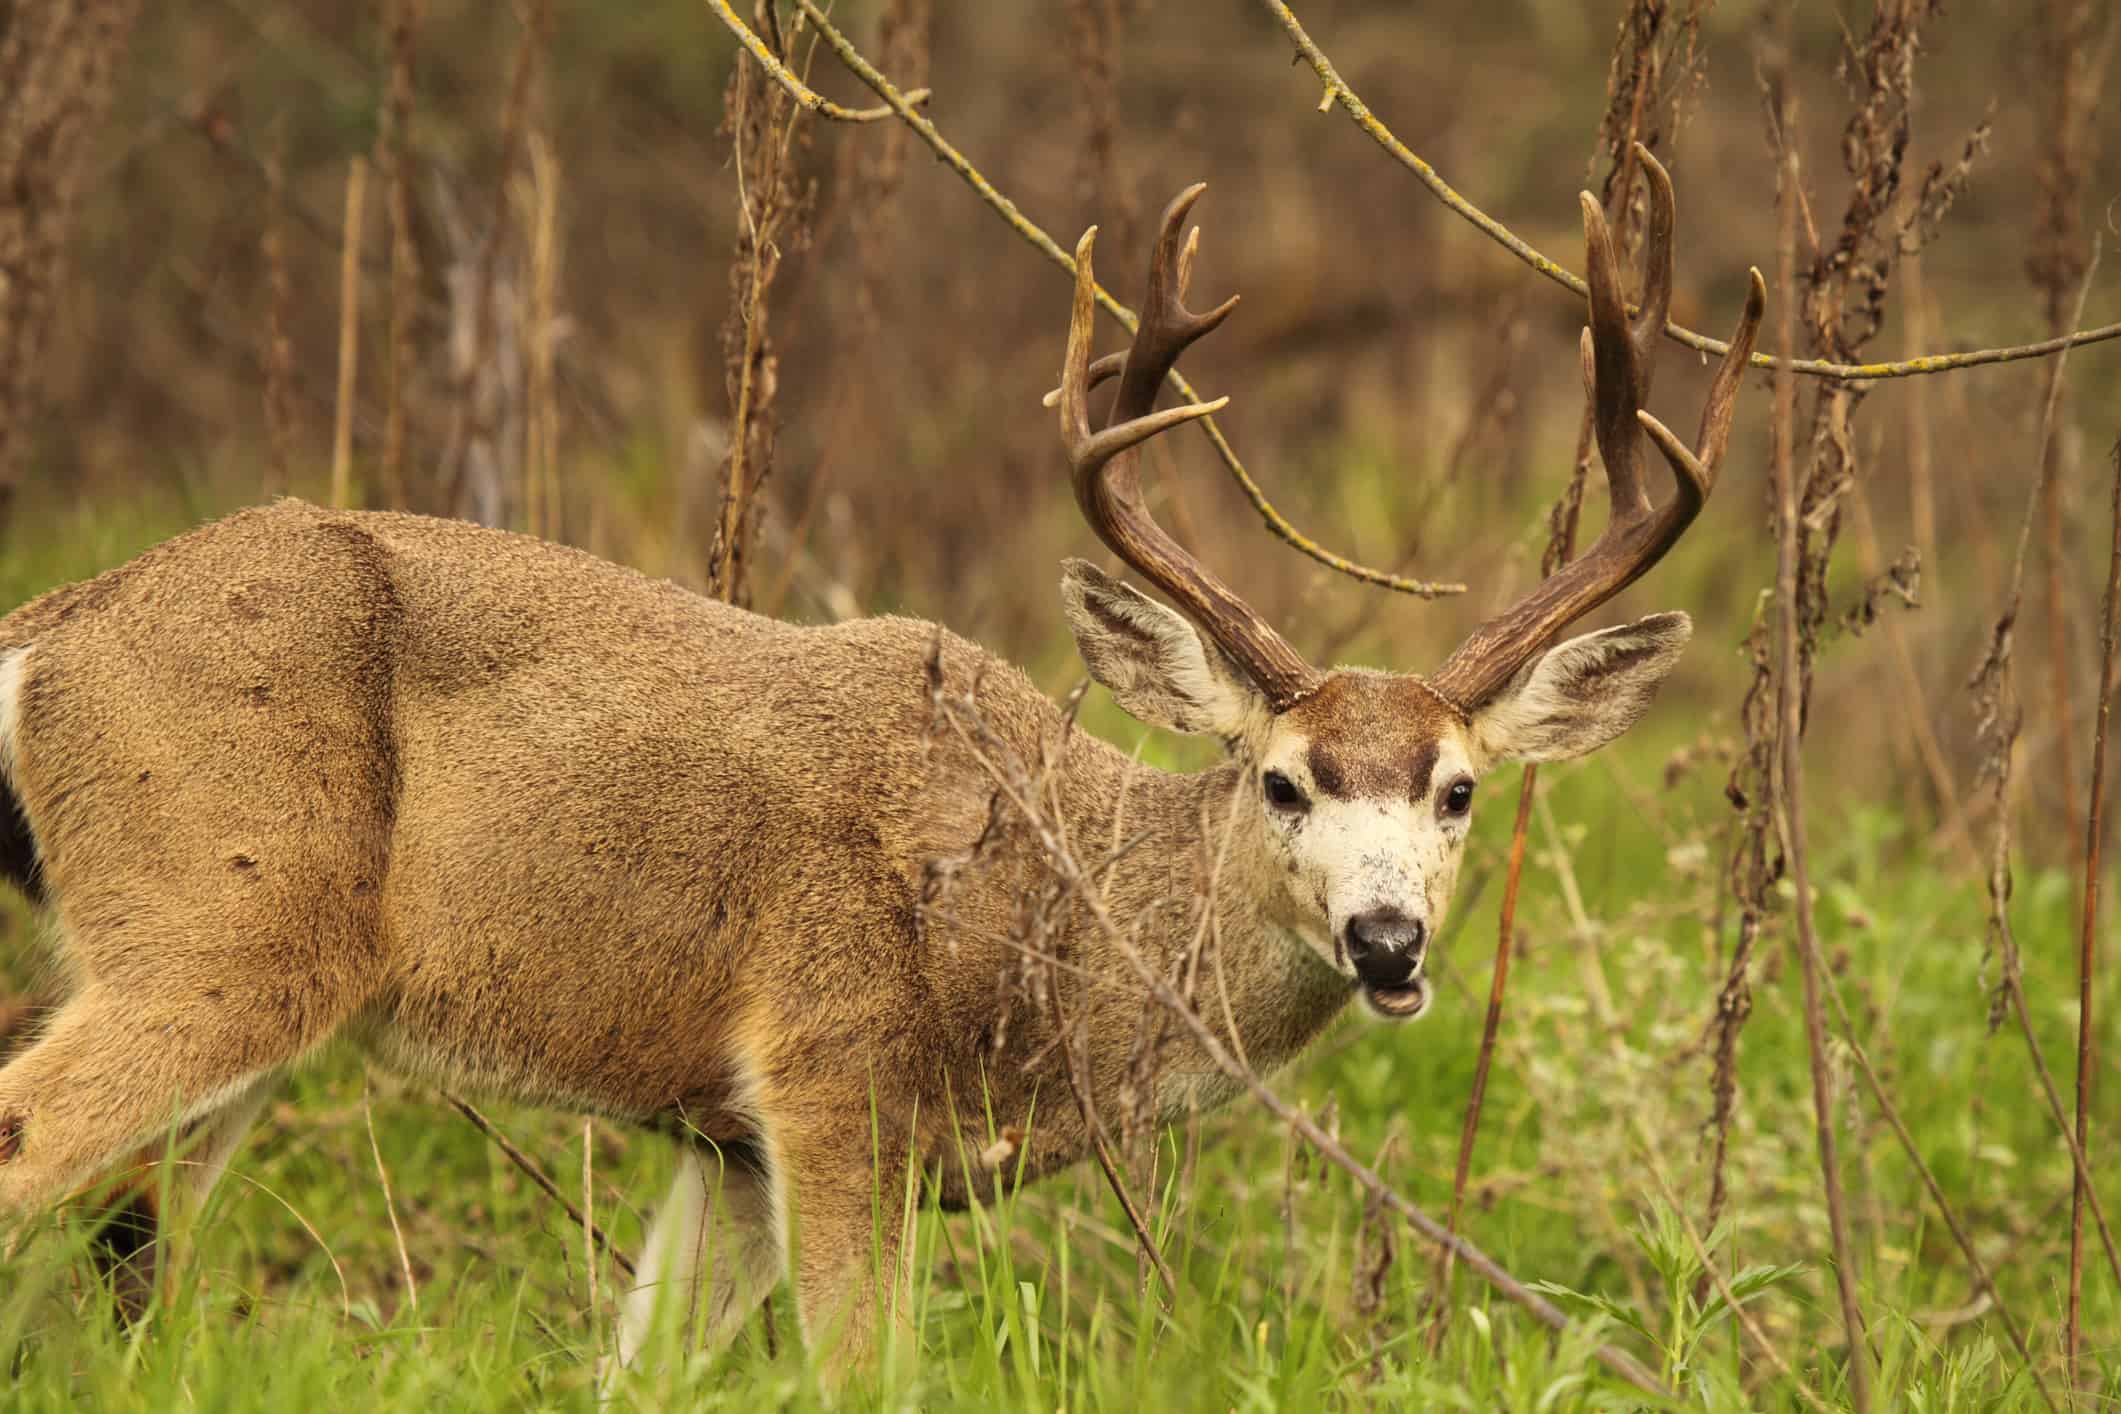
146,1242
715,1249
115,1069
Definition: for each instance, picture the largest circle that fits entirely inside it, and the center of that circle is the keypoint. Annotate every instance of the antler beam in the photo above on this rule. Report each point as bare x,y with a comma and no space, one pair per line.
1618,361
1105,466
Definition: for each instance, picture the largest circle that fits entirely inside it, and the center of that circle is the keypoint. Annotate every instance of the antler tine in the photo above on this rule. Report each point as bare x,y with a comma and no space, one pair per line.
1105,466
1618,355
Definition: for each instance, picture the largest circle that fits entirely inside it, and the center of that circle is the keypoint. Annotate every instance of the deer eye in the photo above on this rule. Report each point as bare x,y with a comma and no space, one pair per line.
1459,798
1282,793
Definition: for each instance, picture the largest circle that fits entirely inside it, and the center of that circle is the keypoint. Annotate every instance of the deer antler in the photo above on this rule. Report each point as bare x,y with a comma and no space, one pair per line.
1618,359
1106,466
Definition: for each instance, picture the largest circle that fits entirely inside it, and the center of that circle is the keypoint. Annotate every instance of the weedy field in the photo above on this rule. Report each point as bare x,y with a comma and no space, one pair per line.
1293,1290
1792,1036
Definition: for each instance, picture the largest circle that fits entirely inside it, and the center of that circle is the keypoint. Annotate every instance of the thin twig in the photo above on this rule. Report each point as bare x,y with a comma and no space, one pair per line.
1790,816
2087,943
537,1175
802,93
349,335
390,1207
1275,522
1337,90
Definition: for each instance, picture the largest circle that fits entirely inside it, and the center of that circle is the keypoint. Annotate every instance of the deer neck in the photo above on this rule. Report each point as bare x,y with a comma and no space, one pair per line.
1194,890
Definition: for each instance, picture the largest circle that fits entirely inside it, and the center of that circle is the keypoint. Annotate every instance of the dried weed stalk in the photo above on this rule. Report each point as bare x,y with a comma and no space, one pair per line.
280,414
394,159
2087,941
1844,289
1997,720
774,202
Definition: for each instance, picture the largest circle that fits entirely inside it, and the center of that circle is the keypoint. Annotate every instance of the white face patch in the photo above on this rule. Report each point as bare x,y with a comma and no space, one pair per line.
1365,855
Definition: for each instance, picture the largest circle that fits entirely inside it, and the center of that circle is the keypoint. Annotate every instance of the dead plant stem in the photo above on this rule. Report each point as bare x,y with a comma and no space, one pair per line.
1790,815
2087,943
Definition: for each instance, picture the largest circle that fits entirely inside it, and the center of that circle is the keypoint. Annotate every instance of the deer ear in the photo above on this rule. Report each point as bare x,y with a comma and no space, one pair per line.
1154,663
1582,693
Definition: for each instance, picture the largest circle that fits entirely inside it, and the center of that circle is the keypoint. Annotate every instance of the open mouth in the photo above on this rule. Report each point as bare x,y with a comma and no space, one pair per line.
1407,1000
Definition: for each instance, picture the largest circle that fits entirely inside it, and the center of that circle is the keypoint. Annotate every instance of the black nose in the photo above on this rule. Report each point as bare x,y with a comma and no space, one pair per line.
1385,946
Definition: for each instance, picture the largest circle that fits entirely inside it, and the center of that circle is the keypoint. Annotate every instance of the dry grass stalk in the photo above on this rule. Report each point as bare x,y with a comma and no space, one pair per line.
774,202
280,414
902,105
471,461
2087,942
394,159
1984,1283
541,458
390,1206
349,334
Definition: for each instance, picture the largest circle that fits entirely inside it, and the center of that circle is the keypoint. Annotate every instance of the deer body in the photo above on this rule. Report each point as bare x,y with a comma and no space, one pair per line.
527,823
823,902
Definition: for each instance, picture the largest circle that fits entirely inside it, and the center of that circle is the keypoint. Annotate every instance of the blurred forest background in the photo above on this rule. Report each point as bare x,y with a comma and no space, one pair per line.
558,235
1404,391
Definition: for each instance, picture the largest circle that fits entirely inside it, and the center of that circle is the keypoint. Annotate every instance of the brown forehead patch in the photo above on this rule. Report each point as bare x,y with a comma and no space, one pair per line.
1374,734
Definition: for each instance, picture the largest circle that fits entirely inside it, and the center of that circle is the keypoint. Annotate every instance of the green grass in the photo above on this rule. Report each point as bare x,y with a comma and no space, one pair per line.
1034,1303
1600,1093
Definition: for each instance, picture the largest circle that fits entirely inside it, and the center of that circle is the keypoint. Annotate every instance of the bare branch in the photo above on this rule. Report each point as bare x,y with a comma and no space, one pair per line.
1275,521
1337,91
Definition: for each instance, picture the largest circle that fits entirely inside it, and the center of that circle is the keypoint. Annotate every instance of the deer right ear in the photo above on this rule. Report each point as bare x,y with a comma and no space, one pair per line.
1151,660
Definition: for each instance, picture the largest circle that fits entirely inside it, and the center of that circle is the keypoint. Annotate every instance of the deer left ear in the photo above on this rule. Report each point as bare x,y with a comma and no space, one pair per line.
1582,693
1153,662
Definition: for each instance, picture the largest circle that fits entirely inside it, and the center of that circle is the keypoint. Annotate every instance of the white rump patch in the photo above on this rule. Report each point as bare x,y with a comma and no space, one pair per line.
14,671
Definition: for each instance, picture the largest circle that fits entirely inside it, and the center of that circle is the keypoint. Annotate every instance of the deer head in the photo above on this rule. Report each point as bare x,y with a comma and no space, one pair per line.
1362,781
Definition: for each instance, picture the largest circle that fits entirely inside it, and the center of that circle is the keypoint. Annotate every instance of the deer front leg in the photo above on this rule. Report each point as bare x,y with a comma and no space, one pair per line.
847,1192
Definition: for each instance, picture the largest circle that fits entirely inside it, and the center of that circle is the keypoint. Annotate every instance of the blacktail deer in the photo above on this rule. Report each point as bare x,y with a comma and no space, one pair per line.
521,822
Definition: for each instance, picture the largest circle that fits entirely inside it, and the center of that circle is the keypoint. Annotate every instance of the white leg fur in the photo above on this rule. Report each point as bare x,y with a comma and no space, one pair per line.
716,1230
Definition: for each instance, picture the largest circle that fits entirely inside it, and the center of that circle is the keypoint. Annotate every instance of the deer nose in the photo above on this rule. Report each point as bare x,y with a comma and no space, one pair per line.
1385,946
